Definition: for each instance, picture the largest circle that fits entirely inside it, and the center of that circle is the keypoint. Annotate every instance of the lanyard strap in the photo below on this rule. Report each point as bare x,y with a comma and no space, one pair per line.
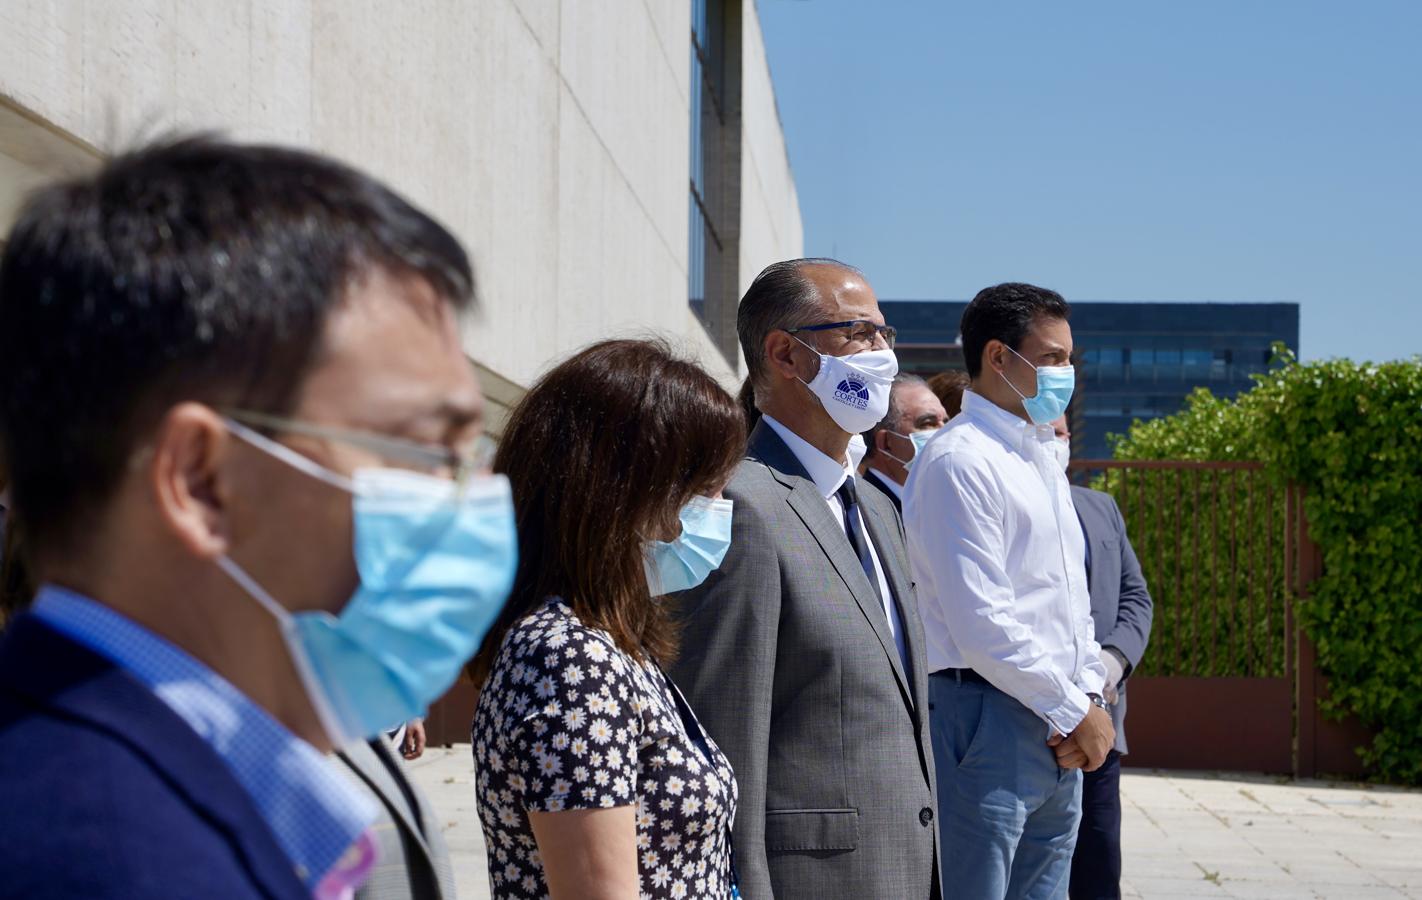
698,737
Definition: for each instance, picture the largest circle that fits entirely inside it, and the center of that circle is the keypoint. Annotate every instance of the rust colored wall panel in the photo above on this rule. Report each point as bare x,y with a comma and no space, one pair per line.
1236,724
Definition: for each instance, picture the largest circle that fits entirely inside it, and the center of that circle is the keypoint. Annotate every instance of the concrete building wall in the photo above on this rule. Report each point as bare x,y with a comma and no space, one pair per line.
771,229
551,135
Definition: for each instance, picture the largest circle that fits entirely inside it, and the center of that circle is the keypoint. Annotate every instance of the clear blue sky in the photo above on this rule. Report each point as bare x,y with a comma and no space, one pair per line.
1233,150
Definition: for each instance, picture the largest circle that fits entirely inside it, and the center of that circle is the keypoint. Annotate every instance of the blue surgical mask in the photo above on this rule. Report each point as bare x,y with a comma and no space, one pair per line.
1054,388
683,563
919,439
436,563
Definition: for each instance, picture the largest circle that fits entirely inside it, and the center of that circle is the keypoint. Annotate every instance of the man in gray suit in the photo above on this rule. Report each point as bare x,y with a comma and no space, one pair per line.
412,862
803,654
1122,611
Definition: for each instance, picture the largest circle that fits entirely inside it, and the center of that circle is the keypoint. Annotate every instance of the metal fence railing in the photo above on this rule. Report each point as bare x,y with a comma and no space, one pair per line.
1216,546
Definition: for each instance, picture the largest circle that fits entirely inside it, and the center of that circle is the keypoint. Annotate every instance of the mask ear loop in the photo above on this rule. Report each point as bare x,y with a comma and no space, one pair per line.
819,358
287,622
902,462
1003,373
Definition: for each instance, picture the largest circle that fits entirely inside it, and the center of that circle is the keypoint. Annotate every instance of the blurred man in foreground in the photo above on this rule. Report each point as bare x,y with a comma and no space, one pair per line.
242,441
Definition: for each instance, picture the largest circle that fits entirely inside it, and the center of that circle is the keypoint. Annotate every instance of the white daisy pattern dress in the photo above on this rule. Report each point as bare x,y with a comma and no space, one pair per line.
569,721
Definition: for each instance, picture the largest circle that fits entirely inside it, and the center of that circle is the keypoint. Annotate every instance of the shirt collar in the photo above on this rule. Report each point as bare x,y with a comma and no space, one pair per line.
826,473
316,816
890,483
1011,429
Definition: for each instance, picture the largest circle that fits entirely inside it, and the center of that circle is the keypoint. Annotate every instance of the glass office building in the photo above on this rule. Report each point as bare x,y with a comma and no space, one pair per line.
1134,360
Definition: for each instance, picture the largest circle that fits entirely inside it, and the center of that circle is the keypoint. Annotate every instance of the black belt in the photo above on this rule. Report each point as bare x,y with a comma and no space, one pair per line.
962,675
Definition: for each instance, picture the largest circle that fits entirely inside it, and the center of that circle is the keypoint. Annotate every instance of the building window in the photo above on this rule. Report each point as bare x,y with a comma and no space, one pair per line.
1141,364
709,121
1219,365
1109,363
1197,365
1167,365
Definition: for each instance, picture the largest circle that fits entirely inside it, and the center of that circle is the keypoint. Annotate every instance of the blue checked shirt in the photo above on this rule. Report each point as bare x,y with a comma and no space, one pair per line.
315,814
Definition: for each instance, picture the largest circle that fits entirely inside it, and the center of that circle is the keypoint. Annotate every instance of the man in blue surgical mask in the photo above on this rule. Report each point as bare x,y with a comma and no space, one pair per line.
245,448
1017,681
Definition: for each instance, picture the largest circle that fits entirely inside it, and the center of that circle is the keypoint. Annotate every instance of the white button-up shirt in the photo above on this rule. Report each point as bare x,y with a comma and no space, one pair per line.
828,475
999,559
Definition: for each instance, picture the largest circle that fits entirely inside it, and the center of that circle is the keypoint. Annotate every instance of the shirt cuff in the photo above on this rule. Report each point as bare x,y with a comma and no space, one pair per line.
1120,658
1069,712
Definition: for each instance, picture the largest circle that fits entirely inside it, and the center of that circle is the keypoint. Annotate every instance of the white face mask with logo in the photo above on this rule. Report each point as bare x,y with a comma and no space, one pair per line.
854,389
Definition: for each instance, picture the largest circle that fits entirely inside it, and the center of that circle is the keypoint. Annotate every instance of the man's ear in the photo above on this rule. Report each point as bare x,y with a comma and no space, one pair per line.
881,441
187,475
780,355
995,356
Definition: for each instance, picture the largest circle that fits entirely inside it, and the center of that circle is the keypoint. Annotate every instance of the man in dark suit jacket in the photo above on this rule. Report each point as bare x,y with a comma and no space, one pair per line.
803,653
913,409
413,860
1122,610
165,718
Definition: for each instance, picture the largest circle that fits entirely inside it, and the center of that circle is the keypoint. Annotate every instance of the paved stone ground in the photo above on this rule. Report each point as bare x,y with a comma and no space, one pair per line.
1196,834
1186,834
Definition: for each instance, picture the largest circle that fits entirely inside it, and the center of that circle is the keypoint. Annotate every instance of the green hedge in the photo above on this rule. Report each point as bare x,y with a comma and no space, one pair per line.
1211,545
1351,435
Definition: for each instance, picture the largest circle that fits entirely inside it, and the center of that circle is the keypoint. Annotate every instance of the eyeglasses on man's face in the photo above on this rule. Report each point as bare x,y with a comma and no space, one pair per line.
867,335
459,465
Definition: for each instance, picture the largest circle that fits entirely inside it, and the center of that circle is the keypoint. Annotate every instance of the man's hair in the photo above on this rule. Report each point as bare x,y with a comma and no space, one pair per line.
891,418
780,297
191,269
1006,313
746,398
948,386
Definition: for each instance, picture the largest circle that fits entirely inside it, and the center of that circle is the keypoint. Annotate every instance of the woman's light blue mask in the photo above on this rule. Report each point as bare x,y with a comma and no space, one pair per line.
683,563
436,563
1055,385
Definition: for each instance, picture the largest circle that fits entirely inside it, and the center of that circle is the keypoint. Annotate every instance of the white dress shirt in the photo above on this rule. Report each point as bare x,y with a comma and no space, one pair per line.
999,559
828,475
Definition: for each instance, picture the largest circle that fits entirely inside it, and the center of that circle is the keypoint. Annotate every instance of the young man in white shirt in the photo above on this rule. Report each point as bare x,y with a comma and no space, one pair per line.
999,560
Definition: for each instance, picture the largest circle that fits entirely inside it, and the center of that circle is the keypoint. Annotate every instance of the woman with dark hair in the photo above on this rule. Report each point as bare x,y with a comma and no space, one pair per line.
594,778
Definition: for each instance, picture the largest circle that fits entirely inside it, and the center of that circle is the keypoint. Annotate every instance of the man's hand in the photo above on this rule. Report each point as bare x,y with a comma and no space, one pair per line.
1114,673
413,747
1087,746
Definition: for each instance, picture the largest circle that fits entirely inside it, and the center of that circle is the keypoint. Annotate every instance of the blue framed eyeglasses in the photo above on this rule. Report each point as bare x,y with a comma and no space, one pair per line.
857,330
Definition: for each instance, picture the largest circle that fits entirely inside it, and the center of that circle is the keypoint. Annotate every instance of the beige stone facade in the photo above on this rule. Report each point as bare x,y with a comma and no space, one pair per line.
553,136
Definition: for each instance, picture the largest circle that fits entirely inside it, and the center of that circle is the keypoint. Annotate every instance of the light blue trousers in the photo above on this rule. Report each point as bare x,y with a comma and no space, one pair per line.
1007,814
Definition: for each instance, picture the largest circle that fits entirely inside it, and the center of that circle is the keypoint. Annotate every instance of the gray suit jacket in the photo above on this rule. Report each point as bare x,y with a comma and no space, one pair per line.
788,661
1120,603
881,482
414,862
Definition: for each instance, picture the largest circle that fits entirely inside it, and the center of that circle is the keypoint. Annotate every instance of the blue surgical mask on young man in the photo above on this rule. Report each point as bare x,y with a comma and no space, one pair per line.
436,563
685,561
1054,389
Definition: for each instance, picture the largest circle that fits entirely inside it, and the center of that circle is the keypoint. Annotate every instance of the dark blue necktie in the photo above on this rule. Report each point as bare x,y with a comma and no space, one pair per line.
854,530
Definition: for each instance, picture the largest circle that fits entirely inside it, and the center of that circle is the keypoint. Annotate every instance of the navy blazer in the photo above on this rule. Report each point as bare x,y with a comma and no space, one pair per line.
880,481
1120,603
107,793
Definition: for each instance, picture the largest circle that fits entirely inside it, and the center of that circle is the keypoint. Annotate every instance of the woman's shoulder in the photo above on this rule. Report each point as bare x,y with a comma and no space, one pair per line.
554,634
554,625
